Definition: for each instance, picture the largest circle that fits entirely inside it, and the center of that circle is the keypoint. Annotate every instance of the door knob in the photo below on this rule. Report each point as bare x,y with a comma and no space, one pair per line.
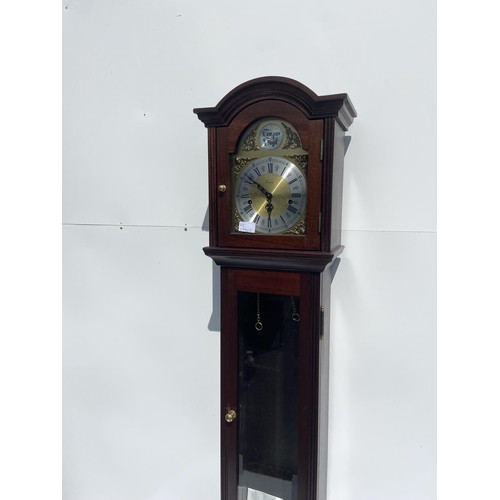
222,188
230,416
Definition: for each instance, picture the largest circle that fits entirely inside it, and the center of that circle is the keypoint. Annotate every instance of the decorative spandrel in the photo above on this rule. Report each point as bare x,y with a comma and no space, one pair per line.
268,366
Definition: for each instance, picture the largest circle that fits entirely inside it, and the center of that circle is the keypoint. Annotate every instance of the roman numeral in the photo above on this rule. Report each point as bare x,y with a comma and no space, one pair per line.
270,168
292,209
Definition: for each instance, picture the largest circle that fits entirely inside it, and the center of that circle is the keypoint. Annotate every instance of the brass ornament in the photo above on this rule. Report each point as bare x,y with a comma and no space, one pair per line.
298,230
237,220
240,163
250,142
292,138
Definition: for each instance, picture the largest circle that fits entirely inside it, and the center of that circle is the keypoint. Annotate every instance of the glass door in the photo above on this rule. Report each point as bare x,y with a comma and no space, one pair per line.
268,395
269,384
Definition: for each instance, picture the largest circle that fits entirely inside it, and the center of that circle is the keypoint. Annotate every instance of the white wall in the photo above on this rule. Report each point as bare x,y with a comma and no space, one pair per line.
141,359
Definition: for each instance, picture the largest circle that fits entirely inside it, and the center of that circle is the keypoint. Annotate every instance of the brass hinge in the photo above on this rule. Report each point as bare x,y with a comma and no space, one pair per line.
321,149
321,322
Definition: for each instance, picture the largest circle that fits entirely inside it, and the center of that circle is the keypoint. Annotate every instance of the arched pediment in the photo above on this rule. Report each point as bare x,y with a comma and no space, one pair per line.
281,89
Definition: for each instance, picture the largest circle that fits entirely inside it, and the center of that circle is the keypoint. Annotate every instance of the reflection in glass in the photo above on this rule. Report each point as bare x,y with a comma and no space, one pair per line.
249,494
268,333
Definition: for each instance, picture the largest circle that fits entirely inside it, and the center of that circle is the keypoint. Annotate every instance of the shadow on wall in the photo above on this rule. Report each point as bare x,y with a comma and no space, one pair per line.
214,322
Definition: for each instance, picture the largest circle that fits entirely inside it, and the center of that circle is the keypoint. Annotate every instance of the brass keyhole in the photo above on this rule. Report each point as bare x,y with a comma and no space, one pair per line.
230,416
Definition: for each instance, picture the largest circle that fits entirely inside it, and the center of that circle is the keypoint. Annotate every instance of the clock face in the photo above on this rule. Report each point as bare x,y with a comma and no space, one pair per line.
271,195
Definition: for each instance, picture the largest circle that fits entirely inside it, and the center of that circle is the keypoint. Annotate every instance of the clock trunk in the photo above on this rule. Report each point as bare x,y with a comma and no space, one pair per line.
271,380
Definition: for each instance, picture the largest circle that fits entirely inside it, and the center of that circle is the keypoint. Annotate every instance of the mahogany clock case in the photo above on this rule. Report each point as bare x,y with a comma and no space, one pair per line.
275,285
321,123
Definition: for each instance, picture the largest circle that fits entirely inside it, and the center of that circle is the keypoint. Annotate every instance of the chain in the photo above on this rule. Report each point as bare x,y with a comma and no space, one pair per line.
295,314
258,325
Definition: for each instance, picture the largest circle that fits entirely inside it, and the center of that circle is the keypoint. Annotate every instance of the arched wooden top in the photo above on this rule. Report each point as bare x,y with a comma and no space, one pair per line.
280,89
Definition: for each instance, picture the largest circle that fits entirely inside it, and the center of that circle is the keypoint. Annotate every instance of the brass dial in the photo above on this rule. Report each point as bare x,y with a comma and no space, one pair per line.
271,193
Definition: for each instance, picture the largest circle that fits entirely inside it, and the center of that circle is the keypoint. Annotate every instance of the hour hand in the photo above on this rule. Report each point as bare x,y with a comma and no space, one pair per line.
268,195
263,190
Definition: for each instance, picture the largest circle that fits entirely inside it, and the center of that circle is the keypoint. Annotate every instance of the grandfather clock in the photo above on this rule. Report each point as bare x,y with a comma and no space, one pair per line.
276,153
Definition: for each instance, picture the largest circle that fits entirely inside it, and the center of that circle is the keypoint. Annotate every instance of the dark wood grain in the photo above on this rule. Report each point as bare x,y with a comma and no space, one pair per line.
280,264
272,259
320,121
283,89
307,286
